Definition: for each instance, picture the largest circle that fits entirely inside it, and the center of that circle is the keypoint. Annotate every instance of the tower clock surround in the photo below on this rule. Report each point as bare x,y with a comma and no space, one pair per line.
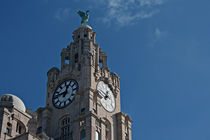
64,93
90,107
108,99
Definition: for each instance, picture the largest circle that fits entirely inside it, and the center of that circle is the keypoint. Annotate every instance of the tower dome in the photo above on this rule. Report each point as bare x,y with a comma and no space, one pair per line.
10,99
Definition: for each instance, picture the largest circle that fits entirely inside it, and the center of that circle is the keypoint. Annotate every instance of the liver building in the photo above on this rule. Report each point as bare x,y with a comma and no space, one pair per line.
82,99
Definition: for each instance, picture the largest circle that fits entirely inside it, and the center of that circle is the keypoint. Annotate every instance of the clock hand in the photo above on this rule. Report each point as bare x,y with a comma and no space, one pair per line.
107,94
65,92
103,94
60,93
67,86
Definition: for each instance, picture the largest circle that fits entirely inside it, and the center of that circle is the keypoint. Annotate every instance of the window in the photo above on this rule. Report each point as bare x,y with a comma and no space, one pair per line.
19,128
79,67
126,136
126,130
67,61
82,135
65,121
97,135
8,129
95,103
108,130
65,128
100,64
39,130
82,49
76,58
82,110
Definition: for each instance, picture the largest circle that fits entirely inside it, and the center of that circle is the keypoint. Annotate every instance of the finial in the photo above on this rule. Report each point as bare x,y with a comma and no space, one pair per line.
84,16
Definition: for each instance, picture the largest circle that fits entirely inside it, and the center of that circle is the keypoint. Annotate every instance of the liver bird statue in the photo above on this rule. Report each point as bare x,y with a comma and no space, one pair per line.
84,16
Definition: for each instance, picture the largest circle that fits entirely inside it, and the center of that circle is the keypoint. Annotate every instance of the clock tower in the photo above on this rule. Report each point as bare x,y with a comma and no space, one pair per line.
83,96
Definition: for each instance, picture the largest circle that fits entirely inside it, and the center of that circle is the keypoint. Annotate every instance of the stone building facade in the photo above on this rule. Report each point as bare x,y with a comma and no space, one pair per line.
82,101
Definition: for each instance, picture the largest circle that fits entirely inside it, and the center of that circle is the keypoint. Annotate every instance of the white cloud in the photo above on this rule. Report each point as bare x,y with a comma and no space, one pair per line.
127,18
159,34
62,13
156,37
118,12
151,2
128,12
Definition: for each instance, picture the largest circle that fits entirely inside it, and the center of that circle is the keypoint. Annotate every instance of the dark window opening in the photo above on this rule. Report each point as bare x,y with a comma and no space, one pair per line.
19,128
79,67
39,130
12,116
82,49
82,135
100,64
9,124
85,35
66,121
76,58
82,110
95,111
8,129
67,61
65,128
108,130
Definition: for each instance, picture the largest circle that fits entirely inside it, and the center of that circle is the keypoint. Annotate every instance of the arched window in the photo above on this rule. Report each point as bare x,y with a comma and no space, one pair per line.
97,136
82,135
65,128
20,128
9,129
108,130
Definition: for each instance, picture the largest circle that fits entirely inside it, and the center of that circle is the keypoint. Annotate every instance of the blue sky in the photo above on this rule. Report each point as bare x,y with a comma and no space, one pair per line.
159,48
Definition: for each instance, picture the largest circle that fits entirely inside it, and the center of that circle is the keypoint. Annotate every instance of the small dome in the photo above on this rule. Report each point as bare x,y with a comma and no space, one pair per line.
14,100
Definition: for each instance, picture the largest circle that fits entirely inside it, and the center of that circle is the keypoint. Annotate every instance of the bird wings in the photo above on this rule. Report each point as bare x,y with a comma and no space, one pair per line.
82,14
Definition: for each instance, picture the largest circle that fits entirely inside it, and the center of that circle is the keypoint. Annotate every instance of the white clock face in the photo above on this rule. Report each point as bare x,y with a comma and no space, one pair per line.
107,100
64,93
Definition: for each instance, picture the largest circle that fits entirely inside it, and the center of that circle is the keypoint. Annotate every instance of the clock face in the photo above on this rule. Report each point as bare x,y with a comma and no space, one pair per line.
107,100
64,93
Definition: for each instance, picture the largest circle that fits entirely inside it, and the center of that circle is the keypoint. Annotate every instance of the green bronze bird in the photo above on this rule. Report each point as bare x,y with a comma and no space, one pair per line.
84,16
